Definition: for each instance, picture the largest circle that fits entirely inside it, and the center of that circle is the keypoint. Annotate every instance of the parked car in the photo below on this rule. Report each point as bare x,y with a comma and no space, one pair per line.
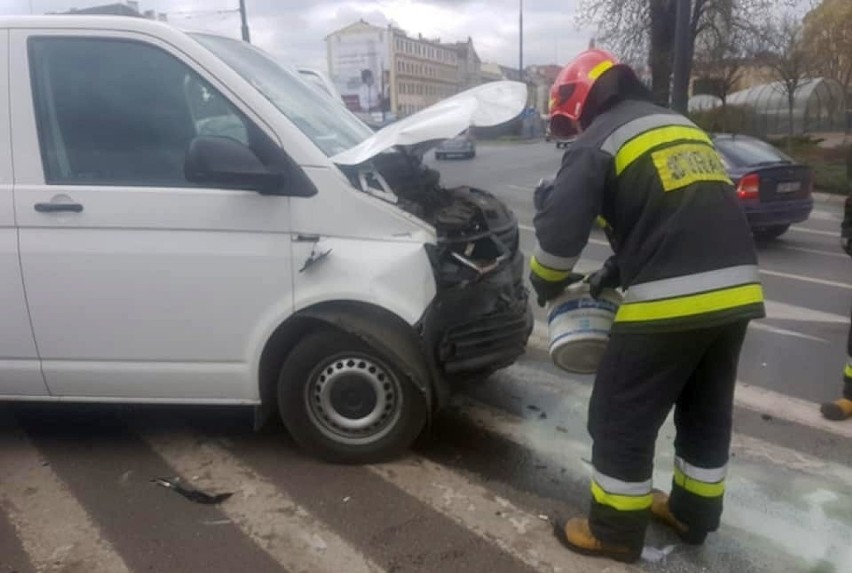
191,223
463,145
564,143
774,190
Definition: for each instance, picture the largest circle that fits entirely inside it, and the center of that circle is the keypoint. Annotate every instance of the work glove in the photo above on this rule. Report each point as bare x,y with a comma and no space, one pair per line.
608,276
548,290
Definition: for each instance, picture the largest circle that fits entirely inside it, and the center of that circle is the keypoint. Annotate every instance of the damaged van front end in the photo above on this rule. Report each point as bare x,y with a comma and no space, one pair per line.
479,320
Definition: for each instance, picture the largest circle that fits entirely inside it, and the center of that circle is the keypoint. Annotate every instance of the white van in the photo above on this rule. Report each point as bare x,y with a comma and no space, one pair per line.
184,221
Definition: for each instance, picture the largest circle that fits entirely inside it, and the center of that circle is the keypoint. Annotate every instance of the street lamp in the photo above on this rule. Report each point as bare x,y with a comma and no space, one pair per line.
521,42
245,29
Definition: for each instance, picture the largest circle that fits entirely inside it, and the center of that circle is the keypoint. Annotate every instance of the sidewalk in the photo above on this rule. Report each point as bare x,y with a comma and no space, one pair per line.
829,198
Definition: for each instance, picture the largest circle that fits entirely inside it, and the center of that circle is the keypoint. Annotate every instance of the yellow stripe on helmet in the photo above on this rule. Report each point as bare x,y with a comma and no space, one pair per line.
598,70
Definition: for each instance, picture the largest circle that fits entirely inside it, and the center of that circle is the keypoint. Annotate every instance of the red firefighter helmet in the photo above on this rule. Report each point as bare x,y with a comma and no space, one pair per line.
572,86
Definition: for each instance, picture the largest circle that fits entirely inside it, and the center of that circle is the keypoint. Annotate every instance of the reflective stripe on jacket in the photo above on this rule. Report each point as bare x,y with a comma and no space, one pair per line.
683,245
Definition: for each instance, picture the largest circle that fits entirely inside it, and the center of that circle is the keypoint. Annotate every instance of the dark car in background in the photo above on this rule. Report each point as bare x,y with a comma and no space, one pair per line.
461,145
774,190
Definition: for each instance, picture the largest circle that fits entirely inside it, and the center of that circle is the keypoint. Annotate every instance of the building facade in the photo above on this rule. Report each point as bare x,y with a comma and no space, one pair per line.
424,72
470,66
383,72
128,8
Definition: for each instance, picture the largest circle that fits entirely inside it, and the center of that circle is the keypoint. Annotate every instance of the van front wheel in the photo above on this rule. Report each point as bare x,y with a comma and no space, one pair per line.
346,402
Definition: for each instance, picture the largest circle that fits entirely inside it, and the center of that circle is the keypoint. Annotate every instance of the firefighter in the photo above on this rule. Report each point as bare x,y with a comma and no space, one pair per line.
685,255
841,409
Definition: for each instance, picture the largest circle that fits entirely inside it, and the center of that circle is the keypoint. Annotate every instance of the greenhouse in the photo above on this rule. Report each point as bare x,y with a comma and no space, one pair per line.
819,106
704,102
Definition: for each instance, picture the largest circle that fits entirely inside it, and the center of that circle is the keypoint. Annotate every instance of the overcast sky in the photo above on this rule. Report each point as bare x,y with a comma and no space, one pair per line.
295,33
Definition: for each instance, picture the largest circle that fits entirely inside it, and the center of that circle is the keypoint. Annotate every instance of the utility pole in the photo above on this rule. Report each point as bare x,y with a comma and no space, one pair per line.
682,55
521,43
246,35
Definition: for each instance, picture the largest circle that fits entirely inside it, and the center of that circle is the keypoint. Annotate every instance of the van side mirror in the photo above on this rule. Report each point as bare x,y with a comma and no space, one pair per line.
224,162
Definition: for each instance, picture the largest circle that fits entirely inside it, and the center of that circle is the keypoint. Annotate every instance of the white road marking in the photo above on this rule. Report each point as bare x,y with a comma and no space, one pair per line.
783,311
790,408
498,521
814,280
755,325
520,187
796,228
839,254
826,216
285,530
54,529
763,271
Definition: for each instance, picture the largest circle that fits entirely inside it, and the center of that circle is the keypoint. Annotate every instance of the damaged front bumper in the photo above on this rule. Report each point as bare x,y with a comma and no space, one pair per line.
477,327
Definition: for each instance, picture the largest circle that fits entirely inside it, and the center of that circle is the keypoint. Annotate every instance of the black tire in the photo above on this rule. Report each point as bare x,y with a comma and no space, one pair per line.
331,369
770,233
471,155
439,156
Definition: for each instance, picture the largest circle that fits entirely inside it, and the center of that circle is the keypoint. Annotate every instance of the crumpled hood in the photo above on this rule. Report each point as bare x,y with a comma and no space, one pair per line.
483,106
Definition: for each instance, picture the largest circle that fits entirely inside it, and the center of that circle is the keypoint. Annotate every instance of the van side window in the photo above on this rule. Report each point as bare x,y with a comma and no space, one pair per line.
117,112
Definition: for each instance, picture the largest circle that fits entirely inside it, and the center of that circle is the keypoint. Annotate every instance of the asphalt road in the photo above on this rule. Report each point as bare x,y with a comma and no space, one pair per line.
479,492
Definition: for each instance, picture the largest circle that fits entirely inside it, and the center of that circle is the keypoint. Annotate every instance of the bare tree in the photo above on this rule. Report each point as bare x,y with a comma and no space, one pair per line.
721,54
646,28
785,54
828,34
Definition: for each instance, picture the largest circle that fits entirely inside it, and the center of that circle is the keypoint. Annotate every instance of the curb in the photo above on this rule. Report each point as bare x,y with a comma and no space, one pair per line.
829,198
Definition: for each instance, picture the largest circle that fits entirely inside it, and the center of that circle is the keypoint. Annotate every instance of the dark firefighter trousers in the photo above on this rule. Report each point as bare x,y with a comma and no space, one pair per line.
642,376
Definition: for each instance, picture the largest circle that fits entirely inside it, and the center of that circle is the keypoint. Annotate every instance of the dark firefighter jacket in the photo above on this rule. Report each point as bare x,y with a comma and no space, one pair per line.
683,246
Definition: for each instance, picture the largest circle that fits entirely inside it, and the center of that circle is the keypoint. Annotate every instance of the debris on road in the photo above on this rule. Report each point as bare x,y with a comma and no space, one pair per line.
561,429
192,494
654,555
533,407
346,499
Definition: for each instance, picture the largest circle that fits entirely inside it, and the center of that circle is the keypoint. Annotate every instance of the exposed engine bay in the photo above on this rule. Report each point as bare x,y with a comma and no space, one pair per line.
476,231
480,320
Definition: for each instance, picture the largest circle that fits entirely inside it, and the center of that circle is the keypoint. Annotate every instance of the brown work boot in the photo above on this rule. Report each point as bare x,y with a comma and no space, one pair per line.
838,410
577,536
662,513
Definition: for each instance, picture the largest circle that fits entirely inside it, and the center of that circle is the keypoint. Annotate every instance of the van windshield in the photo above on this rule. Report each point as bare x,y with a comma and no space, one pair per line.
327,123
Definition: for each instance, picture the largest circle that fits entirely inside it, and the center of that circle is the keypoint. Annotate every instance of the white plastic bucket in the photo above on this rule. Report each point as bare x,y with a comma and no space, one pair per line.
579,327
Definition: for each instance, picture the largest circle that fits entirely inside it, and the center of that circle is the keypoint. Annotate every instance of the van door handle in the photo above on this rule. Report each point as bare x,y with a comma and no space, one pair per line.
58,207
